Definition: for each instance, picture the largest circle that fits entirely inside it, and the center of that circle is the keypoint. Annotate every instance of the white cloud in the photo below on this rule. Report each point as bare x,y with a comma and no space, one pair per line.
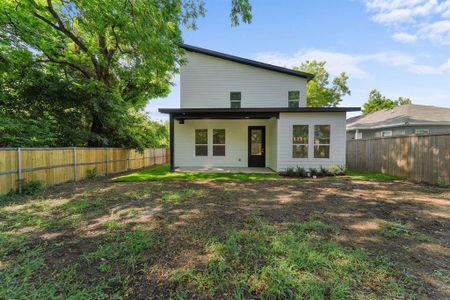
353,64
413,19
437,31
404,37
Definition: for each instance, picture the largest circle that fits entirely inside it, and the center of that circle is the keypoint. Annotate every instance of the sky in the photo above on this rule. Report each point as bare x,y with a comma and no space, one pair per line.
399,47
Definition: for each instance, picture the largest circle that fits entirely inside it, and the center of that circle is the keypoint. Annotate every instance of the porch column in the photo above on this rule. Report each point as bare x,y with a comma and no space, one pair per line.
172,150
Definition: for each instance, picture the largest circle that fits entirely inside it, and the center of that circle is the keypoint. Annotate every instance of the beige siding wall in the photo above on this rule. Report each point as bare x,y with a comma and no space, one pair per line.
338,139
207,82
236,139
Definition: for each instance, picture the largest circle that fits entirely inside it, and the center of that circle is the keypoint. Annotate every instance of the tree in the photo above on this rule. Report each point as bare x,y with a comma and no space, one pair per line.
320,92
377,102
119,53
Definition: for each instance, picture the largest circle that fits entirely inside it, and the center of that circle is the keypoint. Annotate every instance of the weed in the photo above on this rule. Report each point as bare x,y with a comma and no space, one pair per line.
181,196
260,261
394,229
91,173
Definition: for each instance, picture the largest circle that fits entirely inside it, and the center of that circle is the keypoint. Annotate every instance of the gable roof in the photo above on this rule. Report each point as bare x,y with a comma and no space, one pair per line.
246,61
403,115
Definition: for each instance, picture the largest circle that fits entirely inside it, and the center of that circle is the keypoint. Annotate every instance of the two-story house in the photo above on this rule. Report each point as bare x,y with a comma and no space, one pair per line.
237,112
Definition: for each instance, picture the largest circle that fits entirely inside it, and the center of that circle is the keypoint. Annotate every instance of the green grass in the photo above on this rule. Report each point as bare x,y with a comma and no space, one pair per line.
300,262
370,176
163,173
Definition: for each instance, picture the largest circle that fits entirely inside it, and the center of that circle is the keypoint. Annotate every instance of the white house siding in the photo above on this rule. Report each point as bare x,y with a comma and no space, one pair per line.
207,82
338,140
236,139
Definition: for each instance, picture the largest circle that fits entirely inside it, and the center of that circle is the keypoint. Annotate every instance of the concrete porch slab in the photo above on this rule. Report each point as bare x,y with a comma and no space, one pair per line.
224,170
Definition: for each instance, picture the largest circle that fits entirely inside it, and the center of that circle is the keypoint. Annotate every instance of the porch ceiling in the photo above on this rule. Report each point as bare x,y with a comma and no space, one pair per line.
245,113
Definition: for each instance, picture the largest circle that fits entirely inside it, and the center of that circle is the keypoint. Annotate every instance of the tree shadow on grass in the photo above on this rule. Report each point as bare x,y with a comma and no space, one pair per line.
83,232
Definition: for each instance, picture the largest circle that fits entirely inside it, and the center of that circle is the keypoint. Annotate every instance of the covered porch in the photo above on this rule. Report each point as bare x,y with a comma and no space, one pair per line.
223,140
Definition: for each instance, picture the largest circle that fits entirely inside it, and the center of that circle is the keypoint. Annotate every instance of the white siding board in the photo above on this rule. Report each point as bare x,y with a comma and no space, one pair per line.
236,139
207,82
338,140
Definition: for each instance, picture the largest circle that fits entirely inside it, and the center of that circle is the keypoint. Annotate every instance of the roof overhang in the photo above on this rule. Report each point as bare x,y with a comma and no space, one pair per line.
402,124
246,61
245,113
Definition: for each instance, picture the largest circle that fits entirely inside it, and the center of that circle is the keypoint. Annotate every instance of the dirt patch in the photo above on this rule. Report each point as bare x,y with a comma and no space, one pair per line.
405,222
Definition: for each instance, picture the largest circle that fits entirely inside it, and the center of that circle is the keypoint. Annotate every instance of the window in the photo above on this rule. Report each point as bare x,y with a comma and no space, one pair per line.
386,133
201,142
293,98
218,142
300,141
421,131
322,141
235,99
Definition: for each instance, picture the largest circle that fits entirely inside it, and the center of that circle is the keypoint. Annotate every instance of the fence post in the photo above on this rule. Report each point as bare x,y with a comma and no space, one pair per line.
106,161
19,169
74,163
129,159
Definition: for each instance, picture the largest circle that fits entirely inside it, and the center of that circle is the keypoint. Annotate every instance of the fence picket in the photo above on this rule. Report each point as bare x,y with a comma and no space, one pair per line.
58,165
419,158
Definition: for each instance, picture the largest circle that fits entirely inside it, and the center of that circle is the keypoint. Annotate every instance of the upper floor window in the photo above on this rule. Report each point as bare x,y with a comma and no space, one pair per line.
218,142
201,142
293,98
322,141
235,99
300,141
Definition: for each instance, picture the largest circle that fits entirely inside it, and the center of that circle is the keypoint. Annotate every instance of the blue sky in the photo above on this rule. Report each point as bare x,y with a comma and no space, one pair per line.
400,47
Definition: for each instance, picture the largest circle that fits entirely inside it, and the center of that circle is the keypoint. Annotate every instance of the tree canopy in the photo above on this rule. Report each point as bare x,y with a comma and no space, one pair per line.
320,92
377,102
93,64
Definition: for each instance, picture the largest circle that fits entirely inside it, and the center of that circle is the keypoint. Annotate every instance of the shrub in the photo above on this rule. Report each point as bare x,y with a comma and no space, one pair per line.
91,173
290,172
324,172
32,187
300,172
313,172
335,170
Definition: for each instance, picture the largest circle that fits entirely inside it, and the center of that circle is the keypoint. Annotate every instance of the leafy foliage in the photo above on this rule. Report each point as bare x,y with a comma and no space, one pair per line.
89,67
320,92
378,102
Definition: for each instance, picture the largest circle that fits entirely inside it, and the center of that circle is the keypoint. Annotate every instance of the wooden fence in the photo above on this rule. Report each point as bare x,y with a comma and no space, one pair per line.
419,158
57,165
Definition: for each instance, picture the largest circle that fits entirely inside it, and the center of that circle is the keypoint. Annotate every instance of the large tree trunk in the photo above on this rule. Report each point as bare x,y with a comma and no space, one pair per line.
97,128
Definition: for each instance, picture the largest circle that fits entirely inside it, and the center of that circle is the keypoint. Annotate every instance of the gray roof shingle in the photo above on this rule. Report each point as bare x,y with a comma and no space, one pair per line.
408,114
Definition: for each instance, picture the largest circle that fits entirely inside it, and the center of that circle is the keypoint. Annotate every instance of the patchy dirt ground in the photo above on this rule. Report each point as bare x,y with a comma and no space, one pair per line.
405,222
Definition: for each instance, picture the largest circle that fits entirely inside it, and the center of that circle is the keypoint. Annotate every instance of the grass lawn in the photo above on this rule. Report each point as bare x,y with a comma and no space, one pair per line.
163,173
229,239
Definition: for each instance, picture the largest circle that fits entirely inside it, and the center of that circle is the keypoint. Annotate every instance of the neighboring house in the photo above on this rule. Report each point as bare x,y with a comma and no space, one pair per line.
401,120
237,112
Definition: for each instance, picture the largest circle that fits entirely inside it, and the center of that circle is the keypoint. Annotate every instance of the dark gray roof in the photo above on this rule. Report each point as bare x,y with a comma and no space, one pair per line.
403,115
246,61
258,109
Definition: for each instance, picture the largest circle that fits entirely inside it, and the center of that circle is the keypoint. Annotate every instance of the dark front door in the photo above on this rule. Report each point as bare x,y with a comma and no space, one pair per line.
256,146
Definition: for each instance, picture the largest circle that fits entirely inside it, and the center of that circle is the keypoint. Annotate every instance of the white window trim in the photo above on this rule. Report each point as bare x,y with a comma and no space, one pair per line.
220,144
421,131
294,100
236,101
389,133
298,144
195,144
314,142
